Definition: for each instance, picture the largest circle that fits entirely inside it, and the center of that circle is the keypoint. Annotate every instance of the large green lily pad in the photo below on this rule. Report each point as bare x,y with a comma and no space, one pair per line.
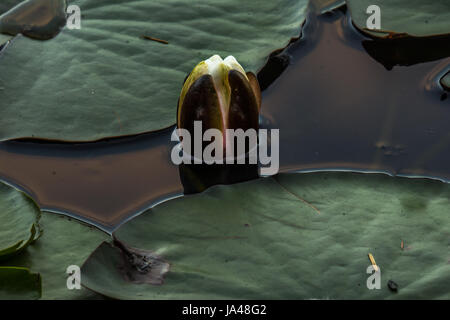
445,81
64,242
289,237
414,17
106,80
19,221
19,283
61,243
4,38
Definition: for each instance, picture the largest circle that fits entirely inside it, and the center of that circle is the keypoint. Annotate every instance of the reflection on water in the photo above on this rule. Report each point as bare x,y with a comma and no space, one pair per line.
198,177
408,51
337,107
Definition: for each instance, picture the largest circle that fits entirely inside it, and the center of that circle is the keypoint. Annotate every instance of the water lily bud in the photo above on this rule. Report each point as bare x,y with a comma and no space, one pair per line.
221,95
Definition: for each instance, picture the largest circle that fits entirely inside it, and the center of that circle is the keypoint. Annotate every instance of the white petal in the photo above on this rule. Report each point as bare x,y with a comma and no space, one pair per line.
231,62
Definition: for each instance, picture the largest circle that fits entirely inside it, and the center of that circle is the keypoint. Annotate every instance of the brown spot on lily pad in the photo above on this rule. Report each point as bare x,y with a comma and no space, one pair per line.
39,19
141,266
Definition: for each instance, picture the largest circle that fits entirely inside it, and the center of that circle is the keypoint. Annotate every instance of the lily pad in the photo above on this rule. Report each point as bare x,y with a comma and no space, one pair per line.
418,18
6,5
326,6
19,218
293,236
19,283
445,81
3,39
108,79
64,242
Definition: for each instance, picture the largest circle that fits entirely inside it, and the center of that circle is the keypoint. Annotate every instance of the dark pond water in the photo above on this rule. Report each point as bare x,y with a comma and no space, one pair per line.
337,107
101,182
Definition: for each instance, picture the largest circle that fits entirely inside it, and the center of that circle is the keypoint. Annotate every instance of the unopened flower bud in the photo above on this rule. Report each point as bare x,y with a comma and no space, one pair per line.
221,95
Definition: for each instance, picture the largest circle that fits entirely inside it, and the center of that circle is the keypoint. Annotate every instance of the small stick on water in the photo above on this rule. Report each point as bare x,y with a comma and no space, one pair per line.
372,261
154,39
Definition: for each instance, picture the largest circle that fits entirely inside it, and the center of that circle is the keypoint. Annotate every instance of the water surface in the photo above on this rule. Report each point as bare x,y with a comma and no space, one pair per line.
337,107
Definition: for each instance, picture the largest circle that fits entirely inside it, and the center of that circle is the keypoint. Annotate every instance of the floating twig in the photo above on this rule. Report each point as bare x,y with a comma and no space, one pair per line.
154,39
372,261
